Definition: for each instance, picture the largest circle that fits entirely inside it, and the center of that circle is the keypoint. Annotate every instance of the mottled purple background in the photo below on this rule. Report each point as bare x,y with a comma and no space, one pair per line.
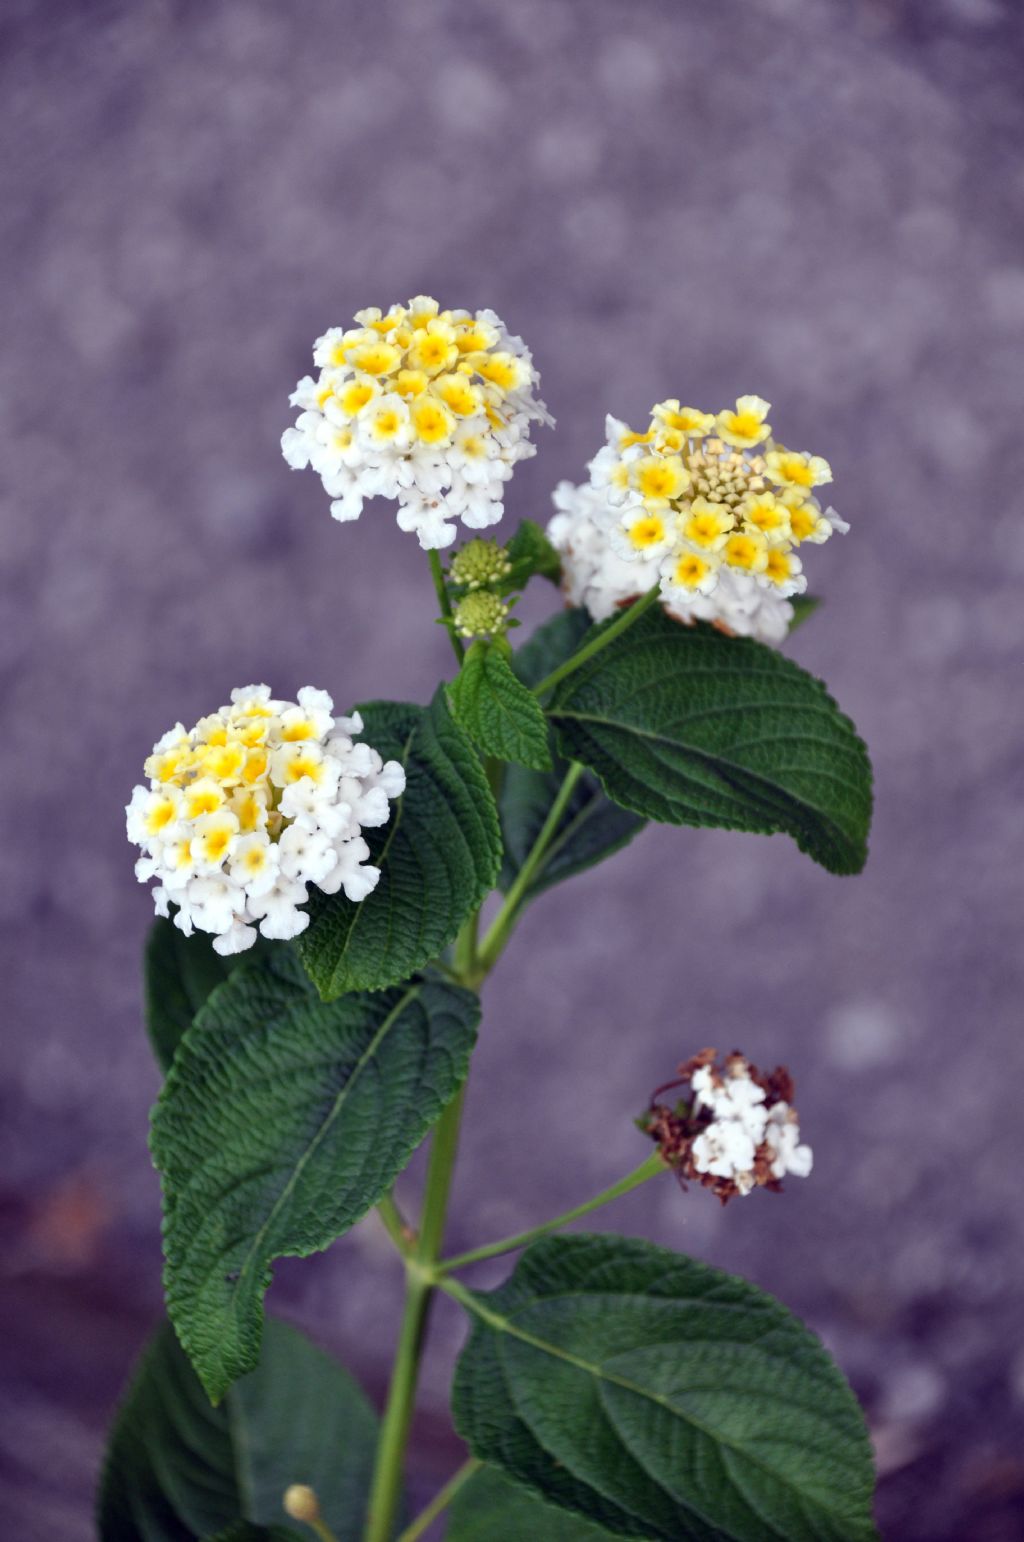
817,201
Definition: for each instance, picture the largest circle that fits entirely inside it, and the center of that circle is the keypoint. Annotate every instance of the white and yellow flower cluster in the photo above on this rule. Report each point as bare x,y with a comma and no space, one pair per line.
428,407
252,805
708,506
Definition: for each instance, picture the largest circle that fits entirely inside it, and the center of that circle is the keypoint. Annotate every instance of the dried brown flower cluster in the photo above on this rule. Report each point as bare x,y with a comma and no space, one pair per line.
738,1130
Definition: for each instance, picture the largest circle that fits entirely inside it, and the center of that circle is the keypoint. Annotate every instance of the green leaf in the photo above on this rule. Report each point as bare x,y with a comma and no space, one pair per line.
178,1469
491,1509
804,606
245,1531
658,1397
686,726
282,1121
593,827
180,972
496,710
531,552
439,856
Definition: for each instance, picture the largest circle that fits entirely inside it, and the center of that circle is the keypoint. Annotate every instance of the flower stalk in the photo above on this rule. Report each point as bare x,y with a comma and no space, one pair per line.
441,1500
649,1169
625,619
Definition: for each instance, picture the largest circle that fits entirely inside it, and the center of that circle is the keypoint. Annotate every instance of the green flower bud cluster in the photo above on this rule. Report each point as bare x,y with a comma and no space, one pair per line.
481,614
479,564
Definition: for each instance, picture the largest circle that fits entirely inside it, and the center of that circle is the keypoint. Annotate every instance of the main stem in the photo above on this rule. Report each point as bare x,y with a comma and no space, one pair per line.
421,1261
385,1493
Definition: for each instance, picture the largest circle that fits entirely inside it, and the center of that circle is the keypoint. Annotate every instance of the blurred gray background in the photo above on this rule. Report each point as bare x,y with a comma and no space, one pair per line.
821,202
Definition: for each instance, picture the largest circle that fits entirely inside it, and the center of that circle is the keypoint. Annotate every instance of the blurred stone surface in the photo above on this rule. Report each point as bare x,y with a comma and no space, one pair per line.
815,200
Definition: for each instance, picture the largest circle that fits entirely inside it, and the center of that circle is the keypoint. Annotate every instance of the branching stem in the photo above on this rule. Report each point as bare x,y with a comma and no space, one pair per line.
649,1169
623,621
501,927
441,1500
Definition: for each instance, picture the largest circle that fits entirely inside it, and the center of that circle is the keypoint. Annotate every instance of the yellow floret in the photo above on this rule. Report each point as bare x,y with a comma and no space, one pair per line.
165,766
410,383
255,768
796,469
629,438
779,566
214,834
250,809
161,810
475,337
204,796
224,762
386,423
660,477
706,525
431,419
746,426
690,571
296,729
503,370
433,349
807,522
353,397
747,552
684,420
767,514
457,393
646,532
376,358
297,766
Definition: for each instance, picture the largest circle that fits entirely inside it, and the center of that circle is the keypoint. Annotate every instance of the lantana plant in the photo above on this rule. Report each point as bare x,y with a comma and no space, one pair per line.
314,980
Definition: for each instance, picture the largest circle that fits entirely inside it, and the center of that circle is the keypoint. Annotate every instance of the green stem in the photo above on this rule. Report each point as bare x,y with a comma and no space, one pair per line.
395,1224
441,1501
470,1301
322,1530
501,927
649,1169
420,1262
622,622
437,574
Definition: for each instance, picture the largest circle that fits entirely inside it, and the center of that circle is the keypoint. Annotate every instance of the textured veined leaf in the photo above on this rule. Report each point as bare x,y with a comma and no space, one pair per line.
686,726
180,972
283,1120
593,827
439,856
492,1509
496,709
178,1469
660,1398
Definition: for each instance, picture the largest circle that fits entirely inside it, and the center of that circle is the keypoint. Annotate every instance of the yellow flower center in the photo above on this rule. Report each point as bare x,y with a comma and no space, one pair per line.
691,570
647,532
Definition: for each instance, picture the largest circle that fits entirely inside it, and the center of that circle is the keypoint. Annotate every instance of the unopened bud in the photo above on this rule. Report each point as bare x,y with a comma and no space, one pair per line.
301,1503
479,563
481,614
